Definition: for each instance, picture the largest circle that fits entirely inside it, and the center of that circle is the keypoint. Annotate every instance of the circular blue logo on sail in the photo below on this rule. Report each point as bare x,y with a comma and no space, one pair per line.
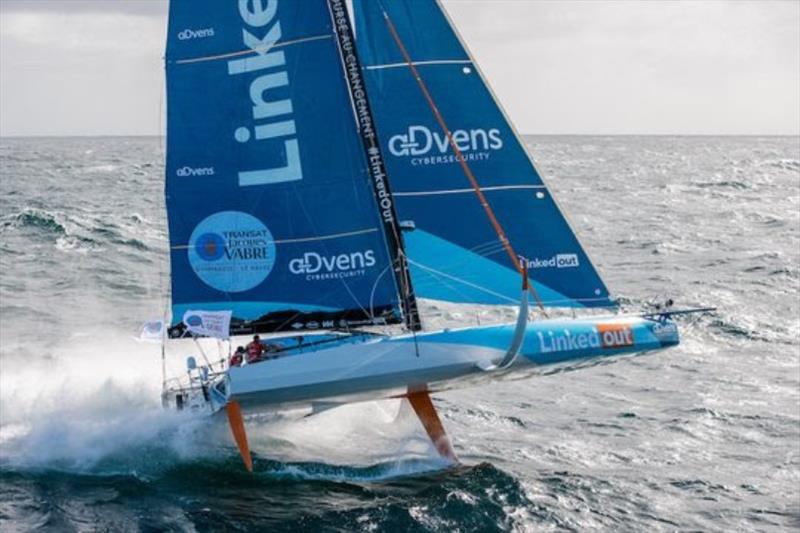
232,251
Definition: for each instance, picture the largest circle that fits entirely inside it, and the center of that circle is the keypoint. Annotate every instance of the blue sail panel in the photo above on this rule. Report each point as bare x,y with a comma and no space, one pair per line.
271,212
456,242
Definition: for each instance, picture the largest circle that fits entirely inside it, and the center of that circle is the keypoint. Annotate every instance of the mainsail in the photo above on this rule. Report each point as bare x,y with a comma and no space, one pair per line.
272,213
455,251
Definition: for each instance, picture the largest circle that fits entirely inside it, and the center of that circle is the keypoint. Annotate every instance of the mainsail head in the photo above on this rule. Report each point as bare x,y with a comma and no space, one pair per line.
271,212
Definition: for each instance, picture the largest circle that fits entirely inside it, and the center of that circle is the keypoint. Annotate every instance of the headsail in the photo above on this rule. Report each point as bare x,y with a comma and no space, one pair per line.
271,211
455,252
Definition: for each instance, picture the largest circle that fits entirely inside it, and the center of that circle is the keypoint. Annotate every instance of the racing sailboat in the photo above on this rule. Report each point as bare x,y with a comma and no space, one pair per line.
330,166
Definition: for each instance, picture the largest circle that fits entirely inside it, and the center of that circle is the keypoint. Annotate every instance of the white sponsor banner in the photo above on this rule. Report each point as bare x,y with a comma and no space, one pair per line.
209,323
153,331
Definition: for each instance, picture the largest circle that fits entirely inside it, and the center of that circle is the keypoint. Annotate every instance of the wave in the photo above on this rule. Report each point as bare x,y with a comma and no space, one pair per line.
37,219
724,184
213,494
785,164
80,232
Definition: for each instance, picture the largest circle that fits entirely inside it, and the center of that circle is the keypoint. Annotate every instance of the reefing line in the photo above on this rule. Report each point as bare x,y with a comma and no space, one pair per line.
459,156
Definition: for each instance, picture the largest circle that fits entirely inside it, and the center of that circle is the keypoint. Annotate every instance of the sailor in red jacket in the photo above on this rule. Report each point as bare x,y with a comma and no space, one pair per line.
254,350
238,357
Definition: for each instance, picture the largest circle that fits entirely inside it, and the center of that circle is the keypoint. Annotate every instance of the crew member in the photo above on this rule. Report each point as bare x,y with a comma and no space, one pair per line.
254,350
238,357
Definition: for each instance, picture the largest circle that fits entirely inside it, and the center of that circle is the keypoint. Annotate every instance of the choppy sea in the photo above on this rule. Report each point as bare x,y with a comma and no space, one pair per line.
705,436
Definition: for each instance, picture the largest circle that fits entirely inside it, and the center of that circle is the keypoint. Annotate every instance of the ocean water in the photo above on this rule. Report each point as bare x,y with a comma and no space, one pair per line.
705,436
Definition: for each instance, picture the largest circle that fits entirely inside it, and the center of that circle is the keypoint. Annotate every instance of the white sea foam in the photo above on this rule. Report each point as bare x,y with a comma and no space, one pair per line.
94,402
90,396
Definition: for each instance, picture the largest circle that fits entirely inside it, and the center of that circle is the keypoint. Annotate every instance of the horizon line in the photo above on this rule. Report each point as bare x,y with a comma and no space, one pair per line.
150,135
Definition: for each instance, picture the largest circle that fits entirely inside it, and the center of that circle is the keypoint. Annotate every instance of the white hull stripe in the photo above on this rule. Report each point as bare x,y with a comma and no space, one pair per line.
416,63
461,191
251,51
305,239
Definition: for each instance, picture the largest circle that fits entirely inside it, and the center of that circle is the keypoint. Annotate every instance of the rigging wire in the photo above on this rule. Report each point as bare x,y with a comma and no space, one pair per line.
459,156
162,286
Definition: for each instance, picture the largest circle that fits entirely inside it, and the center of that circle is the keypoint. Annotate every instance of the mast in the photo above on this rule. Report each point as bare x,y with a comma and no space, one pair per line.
375,162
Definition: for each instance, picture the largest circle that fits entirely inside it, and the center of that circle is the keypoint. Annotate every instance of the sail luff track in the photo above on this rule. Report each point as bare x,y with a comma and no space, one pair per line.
459,156
375,163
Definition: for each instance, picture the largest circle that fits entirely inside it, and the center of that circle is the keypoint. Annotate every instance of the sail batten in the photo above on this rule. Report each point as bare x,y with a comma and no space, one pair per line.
472,191
251,52
302,239
421,63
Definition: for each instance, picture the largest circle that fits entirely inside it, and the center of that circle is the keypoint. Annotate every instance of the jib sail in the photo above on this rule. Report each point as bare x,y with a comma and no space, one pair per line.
271,211
455,251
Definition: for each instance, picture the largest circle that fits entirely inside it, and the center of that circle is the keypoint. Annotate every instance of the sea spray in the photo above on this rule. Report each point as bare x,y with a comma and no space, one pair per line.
92,405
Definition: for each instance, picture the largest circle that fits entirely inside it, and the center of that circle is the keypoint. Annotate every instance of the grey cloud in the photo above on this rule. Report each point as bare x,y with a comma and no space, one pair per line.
157,8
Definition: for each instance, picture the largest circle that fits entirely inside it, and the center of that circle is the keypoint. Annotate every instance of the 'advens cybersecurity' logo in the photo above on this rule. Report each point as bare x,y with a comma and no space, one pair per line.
666,332
187,172
189,33
318,267
231,251
426,147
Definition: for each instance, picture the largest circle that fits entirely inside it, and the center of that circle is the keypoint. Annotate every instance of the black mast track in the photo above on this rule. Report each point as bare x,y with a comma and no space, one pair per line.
375,162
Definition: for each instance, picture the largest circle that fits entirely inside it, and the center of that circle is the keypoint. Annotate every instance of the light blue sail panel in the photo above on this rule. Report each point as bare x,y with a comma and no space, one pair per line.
455,252
271,213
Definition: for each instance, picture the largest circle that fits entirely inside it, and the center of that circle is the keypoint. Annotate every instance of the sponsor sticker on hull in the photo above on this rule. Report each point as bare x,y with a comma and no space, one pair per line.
666,332
604,336
615,335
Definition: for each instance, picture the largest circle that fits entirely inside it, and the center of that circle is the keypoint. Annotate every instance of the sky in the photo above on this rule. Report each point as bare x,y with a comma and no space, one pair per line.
94,67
